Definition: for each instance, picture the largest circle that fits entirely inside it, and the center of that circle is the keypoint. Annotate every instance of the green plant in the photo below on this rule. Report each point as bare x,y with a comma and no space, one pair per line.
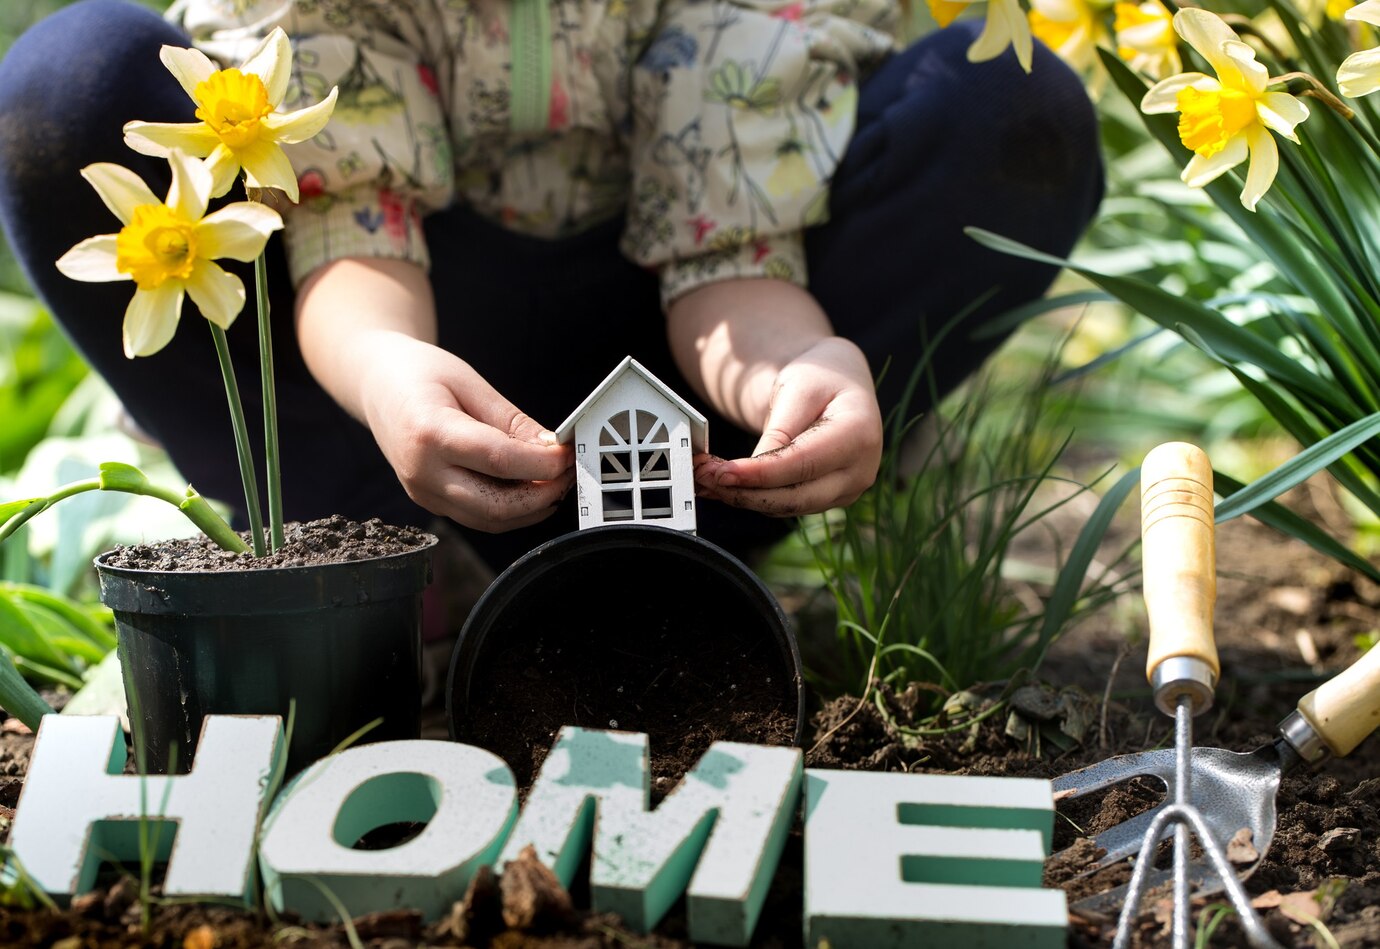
921,567
1304,343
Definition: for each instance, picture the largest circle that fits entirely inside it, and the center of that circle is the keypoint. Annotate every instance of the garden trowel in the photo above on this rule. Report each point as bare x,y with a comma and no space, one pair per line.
1235,791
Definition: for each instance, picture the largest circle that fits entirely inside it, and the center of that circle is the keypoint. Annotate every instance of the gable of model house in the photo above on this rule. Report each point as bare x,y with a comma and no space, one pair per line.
634,440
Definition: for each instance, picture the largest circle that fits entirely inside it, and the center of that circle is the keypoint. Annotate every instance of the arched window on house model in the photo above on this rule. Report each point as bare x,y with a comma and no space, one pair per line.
635,467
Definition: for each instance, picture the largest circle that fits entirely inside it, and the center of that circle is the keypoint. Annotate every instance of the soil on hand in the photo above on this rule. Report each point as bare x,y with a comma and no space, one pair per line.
328,540
1286,619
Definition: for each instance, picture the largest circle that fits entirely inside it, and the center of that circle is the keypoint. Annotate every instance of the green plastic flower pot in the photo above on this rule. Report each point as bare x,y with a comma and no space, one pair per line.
337,644
627,627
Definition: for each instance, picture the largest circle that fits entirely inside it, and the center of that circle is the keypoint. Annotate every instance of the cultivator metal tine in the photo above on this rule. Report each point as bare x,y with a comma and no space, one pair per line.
1204,881
1105,774
1123,840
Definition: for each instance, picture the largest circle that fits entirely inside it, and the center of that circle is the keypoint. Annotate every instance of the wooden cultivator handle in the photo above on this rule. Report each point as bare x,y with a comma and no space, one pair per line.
1178,563
1345,709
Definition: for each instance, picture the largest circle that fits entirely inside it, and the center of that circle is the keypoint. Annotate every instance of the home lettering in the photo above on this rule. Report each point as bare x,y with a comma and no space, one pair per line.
890,859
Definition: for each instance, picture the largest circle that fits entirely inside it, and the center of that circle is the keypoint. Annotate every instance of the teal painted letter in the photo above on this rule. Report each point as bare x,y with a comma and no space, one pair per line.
895,860
464,795
77,807
717,837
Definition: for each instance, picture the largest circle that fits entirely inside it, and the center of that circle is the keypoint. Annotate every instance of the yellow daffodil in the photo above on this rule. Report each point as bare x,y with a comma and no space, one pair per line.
1227,119
239,127
1145,38
1005,25
1359,74
168,249
1072,28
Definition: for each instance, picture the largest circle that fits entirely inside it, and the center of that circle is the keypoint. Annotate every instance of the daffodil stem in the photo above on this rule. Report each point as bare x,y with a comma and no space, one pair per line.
189,502
246,459
1318,91
275,471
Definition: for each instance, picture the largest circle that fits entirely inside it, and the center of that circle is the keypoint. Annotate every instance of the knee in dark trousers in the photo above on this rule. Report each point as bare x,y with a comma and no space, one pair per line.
943,144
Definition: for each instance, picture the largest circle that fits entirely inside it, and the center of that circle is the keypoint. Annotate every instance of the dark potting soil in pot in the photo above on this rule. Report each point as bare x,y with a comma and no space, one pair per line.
685,695
332,539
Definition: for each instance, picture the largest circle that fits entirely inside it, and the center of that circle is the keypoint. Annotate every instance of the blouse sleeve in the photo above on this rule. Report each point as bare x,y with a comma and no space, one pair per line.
741,112
384,159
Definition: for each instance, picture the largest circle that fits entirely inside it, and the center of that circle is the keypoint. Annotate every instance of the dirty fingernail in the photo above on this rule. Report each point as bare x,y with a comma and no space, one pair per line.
728,479
547,438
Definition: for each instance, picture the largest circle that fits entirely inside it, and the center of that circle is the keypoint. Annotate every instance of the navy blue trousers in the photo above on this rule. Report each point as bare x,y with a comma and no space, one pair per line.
941,144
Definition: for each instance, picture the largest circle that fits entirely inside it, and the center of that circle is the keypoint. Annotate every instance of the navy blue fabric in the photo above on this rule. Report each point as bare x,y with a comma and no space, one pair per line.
941,143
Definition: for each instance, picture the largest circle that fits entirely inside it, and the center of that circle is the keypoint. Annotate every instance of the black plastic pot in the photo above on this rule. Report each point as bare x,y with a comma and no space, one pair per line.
587,628
341,642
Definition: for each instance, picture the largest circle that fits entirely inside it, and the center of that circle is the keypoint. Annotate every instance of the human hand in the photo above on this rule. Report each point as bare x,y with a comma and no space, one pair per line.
460,449
821,444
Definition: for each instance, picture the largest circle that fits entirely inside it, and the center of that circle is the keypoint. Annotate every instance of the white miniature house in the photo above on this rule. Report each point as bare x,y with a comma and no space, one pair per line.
634,440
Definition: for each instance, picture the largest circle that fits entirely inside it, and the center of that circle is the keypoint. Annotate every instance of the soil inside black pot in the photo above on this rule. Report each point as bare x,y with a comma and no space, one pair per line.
329,540
684,694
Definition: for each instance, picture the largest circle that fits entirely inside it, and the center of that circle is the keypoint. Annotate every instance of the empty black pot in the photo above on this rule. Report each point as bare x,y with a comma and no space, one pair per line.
630,627
341,642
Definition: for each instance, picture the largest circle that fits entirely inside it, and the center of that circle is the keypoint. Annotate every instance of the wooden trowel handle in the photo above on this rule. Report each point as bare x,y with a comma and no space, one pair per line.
1345,709
1178,554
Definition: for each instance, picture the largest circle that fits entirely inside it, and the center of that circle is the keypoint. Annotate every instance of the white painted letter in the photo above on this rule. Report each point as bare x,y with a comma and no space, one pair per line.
918,859
77,808
464,795
730,815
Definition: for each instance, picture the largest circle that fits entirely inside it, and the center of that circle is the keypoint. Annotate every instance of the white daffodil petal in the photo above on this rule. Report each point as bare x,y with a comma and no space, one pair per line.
1164,95
191,186
190,66
1281,112
1264,166
159,138
1206,32
1200,171
1368,11
1359,74
995,35
224,165
218,295
265,166
151,319
121,189
238,231
1254,75
92,261
1022,40
271,61
292,127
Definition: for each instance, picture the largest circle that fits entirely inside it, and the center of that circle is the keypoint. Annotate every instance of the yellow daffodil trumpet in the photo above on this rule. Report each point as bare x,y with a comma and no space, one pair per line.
169,248
1227,119
1145,38
239,126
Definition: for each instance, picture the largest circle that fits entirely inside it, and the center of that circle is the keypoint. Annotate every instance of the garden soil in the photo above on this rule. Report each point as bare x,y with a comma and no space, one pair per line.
1286,619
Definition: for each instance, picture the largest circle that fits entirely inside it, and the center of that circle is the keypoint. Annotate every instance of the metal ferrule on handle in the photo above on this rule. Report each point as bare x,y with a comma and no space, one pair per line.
1180,576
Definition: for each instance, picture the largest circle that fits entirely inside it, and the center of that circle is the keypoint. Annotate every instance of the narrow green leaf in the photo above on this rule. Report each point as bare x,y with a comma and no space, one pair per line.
23,637
1299,468
58,634
10,508
1075,568
1004,323
1276,515
88,625
18,697
1168,310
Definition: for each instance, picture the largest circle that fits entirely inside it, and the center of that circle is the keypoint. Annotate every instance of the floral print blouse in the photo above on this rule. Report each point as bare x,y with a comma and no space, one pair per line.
712,127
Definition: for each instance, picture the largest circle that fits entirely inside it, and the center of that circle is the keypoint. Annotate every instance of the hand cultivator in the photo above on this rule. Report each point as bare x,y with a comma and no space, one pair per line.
1217,794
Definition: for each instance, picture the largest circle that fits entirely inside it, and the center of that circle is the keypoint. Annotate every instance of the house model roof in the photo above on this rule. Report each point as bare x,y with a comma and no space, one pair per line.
699,428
